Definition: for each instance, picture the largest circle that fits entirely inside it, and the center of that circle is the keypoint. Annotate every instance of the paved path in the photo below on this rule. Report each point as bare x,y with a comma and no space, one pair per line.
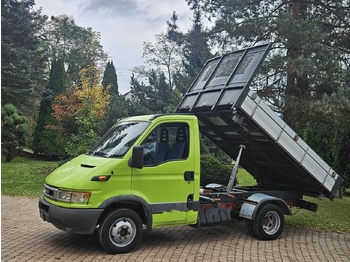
25,237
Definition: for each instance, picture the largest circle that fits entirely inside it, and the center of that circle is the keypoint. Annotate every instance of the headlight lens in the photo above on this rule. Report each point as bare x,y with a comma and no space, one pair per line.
73,197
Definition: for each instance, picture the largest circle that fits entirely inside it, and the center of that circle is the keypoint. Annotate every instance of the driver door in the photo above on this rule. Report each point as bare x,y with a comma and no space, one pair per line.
166,181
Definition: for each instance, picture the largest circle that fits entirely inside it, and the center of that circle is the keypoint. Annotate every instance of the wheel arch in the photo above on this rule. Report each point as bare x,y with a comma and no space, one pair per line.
254,202
135,203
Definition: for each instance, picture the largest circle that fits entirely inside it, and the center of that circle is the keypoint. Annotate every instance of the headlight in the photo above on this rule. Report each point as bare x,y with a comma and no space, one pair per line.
73,197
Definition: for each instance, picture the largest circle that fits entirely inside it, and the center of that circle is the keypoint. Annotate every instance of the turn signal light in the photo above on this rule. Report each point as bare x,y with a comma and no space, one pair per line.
100,178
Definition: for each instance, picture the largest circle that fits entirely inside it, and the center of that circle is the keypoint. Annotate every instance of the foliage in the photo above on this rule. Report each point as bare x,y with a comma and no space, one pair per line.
157,96
175,59
194,50
163,54
110,79
214,171
22,59
117,107
46,140
24,176
13,131
77,46
208,147
327,125
79,113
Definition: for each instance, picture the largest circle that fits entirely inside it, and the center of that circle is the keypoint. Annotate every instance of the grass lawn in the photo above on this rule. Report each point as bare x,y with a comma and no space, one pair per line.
25,177
331,215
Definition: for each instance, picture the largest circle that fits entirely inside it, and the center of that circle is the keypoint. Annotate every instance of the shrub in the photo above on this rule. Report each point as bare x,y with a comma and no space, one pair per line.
214,171
13,131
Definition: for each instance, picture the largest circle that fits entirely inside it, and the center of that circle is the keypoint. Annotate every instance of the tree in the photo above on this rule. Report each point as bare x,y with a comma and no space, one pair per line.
22,60
194,52
110,78
157,96
117,106
175,59
328,127
46,140
13,131
79,113
79,47
164,55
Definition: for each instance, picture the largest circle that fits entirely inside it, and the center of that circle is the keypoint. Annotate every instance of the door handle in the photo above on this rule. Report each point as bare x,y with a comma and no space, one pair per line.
189,176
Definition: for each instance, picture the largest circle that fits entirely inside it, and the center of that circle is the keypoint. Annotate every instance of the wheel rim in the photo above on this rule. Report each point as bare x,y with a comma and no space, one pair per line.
271,222
122,232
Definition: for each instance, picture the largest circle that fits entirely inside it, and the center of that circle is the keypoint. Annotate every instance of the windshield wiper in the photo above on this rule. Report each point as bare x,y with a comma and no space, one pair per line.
99,153
116,155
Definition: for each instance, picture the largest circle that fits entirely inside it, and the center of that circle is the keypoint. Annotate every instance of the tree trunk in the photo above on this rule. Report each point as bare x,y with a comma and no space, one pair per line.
292,54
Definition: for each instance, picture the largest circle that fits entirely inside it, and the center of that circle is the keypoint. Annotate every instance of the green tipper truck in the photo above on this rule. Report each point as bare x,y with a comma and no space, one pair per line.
144,172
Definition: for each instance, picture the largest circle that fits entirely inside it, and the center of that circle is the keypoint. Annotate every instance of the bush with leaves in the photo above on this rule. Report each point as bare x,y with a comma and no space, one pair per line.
214,171
13,131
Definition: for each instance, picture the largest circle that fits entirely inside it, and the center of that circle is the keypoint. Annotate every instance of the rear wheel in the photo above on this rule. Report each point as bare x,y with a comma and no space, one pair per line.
249,226
120,231
269,222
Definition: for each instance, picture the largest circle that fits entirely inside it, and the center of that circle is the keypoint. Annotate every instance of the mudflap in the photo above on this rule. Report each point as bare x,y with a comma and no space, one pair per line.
214,216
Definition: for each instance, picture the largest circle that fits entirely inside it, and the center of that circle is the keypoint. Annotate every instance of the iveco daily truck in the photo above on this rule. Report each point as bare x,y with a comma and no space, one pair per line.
144,173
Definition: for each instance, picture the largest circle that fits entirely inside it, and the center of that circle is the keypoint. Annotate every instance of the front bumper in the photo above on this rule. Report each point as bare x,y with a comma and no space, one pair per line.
79,221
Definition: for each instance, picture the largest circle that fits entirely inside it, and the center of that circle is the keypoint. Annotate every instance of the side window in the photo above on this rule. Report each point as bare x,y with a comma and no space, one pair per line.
149,145
166,142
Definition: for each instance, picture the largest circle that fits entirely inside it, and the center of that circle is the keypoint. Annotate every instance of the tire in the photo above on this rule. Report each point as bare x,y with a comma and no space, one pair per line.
120,231
269,222
249,227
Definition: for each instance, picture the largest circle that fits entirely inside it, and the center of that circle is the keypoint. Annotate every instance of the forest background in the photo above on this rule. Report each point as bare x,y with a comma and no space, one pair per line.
59,89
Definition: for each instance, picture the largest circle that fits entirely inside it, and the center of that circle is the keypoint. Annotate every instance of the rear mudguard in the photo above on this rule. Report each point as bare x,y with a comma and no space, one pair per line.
252,204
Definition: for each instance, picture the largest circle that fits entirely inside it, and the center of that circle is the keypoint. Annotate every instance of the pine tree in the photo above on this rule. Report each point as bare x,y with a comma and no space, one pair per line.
195,50
110,78
116,107
13,131
157,96
22,62
45,140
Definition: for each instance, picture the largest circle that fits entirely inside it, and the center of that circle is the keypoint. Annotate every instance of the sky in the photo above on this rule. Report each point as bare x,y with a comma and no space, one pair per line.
124,25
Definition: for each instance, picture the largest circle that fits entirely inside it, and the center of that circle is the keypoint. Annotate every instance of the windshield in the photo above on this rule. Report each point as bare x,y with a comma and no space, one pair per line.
118,140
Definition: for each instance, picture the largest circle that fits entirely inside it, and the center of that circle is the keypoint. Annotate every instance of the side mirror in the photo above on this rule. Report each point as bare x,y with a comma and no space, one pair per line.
136,159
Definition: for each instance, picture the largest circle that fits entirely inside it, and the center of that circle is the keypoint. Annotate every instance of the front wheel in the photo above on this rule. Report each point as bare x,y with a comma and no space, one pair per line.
269,222
120,231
